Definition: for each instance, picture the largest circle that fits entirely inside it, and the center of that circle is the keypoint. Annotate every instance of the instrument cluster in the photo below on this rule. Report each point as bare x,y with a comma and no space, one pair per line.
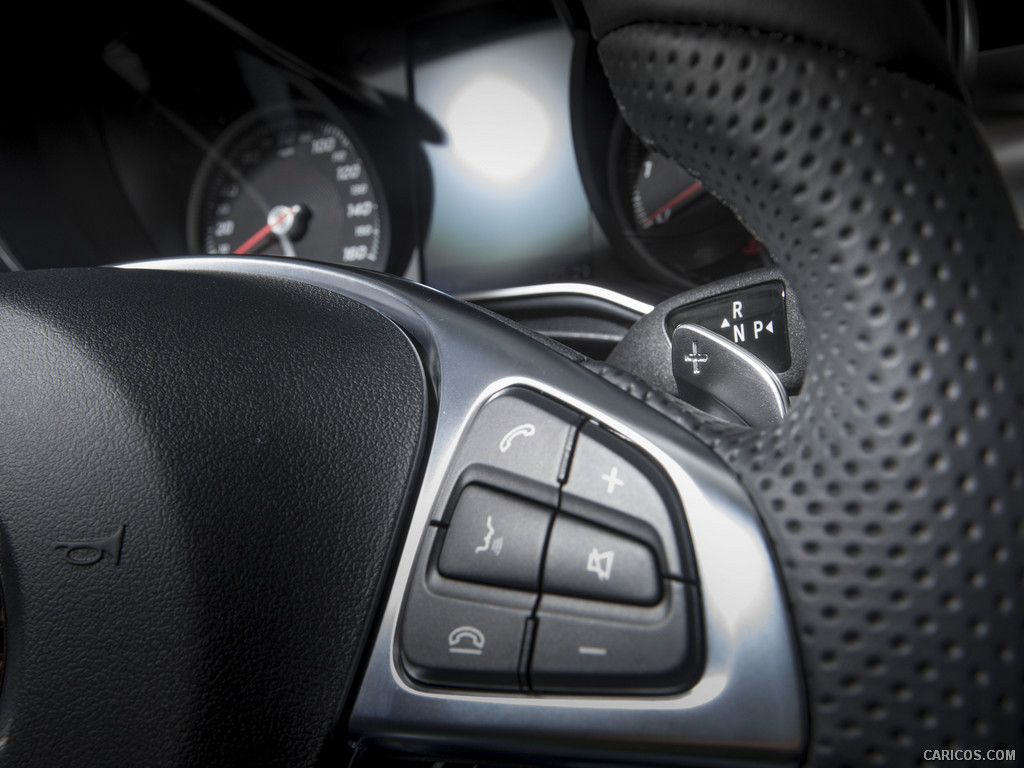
460,147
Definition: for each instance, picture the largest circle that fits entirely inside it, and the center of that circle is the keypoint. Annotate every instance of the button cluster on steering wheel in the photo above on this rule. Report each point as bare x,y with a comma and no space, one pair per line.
557,561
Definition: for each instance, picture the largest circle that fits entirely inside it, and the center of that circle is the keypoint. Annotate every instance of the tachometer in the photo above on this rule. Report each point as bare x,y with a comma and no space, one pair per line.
289,183
666,218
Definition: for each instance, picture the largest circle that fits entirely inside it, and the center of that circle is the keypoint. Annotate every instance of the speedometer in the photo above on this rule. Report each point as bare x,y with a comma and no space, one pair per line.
289,183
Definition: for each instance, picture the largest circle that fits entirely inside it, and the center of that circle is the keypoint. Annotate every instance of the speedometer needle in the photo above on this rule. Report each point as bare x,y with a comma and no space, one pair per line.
688,192
279,221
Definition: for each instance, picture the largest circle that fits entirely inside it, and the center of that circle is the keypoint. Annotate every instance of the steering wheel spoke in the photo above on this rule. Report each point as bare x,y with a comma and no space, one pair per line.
572,441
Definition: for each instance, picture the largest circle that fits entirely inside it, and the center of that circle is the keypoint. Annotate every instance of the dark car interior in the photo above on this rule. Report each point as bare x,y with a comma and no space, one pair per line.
507,383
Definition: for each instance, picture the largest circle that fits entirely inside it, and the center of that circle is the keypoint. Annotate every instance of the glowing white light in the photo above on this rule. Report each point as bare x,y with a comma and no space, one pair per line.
499,129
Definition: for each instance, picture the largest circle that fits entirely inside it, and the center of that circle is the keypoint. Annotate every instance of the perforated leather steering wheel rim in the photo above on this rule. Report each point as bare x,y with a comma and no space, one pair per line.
892,493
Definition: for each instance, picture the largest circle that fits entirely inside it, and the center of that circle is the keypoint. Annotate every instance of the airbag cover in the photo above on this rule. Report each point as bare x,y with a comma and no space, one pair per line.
200,481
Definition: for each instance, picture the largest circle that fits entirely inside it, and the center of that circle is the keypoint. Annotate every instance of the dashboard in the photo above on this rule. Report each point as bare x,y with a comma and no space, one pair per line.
473,147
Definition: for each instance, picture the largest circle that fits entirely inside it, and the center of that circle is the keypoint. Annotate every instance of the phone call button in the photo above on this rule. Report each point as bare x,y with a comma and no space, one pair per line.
524,437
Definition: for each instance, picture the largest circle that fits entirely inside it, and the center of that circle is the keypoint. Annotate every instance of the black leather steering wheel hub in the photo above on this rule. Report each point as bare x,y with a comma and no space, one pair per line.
202,477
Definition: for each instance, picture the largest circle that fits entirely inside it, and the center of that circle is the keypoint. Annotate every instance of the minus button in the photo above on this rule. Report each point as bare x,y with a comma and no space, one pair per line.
588,650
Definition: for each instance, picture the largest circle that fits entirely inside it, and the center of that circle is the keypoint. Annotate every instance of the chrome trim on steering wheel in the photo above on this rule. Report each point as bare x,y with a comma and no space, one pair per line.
585,290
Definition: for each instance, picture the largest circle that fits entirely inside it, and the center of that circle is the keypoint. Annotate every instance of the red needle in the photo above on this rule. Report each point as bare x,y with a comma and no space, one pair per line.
261,233
690,190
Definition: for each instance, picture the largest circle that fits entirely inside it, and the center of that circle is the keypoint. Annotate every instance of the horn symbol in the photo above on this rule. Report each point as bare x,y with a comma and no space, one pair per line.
91,552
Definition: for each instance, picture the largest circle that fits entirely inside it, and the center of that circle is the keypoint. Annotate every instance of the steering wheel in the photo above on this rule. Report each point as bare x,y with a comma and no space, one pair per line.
227,485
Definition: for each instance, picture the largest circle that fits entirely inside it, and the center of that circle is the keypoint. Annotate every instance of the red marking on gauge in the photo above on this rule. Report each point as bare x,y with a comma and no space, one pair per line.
688,192
752,248
261,233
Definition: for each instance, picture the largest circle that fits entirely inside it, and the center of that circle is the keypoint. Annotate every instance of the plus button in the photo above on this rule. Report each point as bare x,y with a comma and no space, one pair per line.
613,479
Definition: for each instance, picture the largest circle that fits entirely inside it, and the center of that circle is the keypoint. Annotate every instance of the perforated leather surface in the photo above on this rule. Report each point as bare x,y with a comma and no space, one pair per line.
894,492
877,30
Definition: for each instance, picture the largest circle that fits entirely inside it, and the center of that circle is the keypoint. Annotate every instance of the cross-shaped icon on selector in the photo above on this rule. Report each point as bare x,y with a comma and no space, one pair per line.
695,357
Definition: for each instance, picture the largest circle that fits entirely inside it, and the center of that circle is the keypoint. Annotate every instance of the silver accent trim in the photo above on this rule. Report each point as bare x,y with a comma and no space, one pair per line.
8,258
560,289
748,706
726,374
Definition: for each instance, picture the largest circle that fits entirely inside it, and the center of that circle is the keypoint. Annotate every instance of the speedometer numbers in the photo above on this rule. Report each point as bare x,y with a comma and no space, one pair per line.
289,183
